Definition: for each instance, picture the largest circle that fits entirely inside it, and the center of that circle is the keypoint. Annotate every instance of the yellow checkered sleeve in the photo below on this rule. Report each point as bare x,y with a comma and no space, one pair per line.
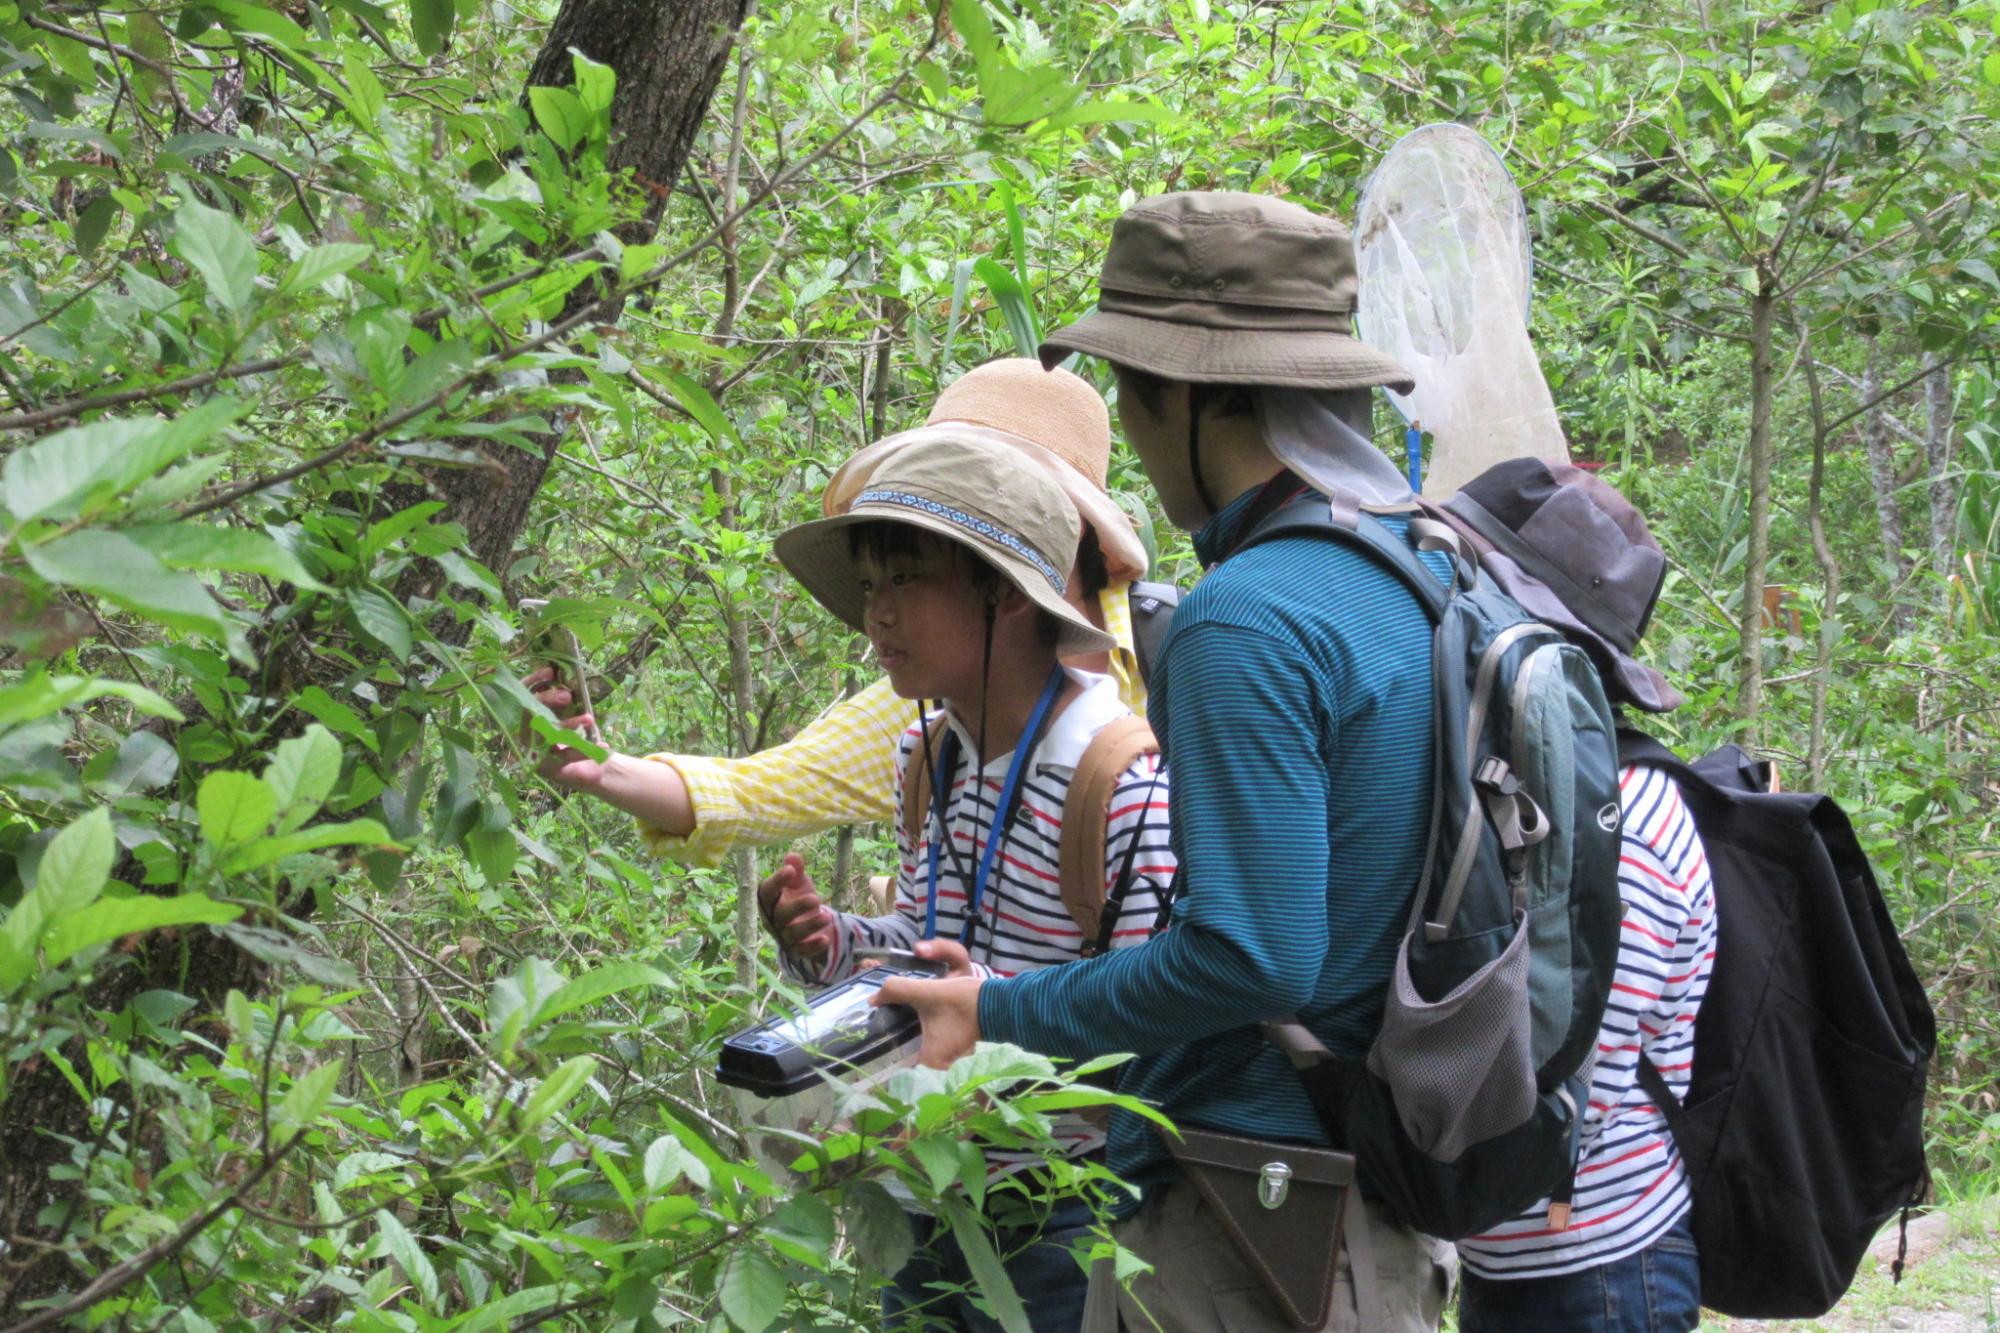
841,769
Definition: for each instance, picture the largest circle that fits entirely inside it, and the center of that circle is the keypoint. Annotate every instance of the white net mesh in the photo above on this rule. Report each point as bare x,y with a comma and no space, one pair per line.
1442,246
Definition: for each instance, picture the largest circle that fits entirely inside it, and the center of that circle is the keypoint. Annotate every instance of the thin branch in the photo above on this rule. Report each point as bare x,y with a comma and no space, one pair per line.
1897,388
1827,270
1638,228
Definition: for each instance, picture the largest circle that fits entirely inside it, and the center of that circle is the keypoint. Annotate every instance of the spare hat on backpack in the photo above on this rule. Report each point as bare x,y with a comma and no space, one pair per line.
1576,554
1220,287
1055,418
968,485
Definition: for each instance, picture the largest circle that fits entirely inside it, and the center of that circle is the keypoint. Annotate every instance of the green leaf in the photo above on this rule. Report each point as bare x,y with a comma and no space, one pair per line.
667,1160
126,574
94,222
430,24
560,114
1013,301
803,1229
1112,113
752,1289
365,99
216,246
969,21
969,1229
702,407
234,808
265,851
301,774
596,84
594,986
240,16
940,1161
382,620
878,1227
76,863
1981,270
38,696
317,702
112,918
309,1095
401,1246
144,762
555,1091
322,264
191,545
77,470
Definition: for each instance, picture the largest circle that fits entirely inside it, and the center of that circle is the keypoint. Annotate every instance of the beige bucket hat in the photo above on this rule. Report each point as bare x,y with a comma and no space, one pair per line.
969,485
1218,287
1053,417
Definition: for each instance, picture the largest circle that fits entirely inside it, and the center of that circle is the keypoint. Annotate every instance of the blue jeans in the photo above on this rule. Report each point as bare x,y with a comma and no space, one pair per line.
1657,1290
1051,1282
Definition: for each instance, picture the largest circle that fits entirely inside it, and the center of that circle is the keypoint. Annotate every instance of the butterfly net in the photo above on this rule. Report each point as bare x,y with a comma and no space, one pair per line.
1441,244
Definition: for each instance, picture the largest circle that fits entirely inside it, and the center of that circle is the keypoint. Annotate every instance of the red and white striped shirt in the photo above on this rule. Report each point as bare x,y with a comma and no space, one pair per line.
1022,923
1631,1184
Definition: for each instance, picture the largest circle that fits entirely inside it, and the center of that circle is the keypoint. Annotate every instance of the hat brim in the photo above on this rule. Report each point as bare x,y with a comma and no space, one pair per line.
817,555
1627,680
1292,358
1124,553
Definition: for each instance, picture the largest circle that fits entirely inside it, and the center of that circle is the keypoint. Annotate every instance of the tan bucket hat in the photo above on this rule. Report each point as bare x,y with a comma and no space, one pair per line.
1053,417
972,486
1218,287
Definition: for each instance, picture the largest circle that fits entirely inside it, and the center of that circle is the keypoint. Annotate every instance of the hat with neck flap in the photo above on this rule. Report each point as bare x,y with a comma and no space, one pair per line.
1219,287
1576,554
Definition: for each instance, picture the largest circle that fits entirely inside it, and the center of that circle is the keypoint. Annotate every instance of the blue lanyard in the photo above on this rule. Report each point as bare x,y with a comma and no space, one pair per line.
997,832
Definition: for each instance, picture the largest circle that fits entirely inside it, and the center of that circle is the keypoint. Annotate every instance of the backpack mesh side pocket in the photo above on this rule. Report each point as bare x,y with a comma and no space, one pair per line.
1477,1036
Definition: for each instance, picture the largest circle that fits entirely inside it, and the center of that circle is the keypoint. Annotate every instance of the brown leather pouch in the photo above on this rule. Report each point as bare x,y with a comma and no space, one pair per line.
1289,1209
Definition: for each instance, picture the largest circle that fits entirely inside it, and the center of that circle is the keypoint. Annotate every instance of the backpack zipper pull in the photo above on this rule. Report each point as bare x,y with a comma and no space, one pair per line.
1559,1206
1559,1202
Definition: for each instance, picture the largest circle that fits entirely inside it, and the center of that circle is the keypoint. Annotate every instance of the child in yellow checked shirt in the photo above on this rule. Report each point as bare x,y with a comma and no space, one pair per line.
841,769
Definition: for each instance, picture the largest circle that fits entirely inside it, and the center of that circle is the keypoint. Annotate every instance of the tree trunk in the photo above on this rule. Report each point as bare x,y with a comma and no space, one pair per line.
668,56
1883,480
1937,451
1750,694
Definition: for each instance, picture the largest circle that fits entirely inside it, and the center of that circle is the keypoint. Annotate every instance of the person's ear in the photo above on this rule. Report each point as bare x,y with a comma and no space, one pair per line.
1009,602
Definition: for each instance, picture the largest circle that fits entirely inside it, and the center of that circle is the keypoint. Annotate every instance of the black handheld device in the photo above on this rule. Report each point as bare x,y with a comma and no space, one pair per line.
839,1033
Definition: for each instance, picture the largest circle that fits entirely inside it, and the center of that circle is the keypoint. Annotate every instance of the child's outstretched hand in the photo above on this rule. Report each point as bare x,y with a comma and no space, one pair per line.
560,764
798,920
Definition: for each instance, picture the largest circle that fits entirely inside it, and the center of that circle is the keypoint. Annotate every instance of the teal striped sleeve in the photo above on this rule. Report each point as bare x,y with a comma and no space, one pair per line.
1245,723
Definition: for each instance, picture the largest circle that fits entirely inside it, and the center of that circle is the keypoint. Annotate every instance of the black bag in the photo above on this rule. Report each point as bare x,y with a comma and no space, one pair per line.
1803,1125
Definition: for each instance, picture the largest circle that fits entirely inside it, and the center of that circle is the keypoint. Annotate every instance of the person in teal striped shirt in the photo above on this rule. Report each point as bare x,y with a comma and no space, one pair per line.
1292,700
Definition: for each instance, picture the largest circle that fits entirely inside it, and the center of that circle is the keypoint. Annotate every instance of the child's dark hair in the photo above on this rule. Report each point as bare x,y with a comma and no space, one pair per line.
882,540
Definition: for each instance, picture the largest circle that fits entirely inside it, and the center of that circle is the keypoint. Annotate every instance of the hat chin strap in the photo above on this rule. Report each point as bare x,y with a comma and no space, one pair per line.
1197,399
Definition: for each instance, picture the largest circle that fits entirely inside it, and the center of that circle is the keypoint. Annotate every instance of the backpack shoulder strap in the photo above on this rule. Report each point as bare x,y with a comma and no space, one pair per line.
1085,810
1311,516
1153,606
1636,747
917,795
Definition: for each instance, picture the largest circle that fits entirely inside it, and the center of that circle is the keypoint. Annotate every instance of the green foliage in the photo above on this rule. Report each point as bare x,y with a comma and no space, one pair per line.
288,925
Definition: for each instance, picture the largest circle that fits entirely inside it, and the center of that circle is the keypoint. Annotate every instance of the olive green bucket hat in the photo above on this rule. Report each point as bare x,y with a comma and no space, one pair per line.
1218,287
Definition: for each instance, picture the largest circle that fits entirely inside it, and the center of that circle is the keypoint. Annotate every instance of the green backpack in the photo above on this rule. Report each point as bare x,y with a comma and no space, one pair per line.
1468,1108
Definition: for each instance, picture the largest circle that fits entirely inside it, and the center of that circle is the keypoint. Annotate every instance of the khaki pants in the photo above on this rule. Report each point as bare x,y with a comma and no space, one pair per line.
1200,1283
